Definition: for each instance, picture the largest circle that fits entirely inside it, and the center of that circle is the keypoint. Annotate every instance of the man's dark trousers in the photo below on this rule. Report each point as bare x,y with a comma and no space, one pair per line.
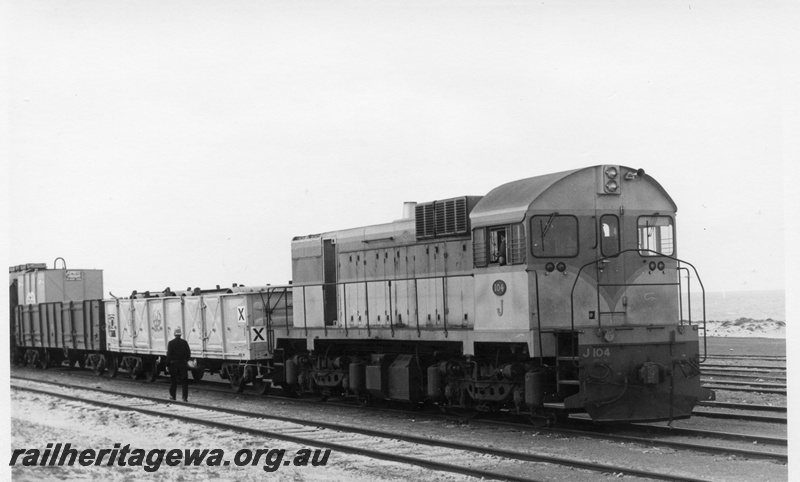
179,374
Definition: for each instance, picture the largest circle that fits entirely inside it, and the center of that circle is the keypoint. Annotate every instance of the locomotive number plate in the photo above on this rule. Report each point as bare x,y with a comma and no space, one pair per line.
499,287
591,351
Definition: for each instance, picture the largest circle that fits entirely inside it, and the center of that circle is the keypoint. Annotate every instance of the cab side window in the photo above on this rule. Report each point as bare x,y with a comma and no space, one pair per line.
656,235
498,245
609,235
554,236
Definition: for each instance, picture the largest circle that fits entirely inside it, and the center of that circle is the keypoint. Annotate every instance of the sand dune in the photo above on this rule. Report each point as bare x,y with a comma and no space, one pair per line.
747,327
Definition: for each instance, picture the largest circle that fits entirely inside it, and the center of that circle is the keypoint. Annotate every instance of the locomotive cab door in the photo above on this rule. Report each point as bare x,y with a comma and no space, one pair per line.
610,269
330,291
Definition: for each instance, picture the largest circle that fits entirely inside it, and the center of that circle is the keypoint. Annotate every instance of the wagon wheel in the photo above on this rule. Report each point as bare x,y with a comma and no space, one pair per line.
261,386
18,357
137,370
82,361
29,358
236,379
197,372
100,366
151,371
113,367
44,359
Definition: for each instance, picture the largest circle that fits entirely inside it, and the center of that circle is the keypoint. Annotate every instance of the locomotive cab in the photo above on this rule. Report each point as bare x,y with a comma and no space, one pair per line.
596,281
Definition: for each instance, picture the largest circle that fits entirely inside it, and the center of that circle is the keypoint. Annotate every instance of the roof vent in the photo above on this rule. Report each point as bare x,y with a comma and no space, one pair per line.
439,219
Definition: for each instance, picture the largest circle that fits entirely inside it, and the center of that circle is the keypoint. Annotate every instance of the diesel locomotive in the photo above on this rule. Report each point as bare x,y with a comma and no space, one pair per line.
547,296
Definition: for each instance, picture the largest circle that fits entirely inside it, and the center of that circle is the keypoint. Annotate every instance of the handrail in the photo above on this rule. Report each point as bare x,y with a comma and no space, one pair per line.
688,293
538,317
391,313
639,250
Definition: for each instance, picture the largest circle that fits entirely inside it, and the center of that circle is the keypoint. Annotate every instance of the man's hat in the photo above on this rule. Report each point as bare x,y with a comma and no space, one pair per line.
178,332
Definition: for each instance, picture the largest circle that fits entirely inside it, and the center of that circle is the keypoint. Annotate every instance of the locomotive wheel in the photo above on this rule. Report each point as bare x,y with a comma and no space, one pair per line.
151,371
261,386
113,367
100,366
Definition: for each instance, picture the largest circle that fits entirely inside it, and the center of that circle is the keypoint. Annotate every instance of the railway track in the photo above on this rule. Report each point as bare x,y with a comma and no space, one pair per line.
740,376
744,406
442,455
746,387
644,434
221,387
752,368
748,357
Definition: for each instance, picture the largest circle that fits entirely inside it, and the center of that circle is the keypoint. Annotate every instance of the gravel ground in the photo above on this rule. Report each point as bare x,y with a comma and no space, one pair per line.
37,420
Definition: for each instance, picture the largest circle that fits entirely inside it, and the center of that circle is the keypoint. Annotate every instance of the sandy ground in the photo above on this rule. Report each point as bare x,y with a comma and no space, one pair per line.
85,426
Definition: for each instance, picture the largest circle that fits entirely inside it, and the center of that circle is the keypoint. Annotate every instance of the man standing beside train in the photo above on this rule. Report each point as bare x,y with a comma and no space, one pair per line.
178,355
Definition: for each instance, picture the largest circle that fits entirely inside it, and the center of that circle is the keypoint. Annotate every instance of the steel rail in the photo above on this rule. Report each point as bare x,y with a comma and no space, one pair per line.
737,416
701,447
751,357
513,455
739,374
734,388
780,386
744,406
743,367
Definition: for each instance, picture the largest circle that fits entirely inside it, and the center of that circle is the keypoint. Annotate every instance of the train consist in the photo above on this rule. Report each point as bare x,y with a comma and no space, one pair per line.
549,295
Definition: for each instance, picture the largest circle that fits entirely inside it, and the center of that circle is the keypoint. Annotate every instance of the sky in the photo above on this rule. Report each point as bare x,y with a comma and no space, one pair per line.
177,143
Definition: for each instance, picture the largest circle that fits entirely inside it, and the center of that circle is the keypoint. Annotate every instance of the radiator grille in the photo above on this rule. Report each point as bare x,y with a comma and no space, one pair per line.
442,218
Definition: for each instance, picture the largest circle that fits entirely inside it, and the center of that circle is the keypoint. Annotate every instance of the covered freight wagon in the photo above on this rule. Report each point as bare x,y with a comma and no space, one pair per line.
57,314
